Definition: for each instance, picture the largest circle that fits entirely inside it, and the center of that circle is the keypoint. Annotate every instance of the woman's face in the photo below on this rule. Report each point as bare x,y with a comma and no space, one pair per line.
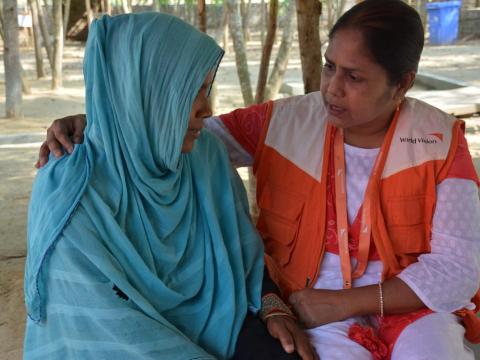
356,90
201,109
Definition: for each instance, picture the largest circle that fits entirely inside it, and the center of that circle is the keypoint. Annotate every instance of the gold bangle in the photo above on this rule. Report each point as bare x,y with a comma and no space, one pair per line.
279,313
380,295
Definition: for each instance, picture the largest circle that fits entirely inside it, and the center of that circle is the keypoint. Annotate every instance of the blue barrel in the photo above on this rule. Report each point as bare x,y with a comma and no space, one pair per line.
443,21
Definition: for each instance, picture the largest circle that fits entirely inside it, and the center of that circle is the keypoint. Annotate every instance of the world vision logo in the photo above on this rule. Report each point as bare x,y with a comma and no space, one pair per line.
432,138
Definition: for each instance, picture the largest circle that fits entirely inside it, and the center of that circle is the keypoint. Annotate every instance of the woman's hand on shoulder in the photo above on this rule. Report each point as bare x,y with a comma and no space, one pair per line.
62,134
291,336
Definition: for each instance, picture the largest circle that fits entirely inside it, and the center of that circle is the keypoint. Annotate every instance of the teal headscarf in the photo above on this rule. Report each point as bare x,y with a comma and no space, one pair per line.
171,231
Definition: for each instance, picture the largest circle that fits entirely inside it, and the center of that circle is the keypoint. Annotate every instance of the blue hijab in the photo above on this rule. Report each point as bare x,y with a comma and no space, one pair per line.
170,231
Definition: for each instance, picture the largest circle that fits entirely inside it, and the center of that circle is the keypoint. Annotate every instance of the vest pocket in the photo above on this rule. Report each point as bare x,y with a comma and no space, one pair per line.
409,240
406,225
279,220
406,211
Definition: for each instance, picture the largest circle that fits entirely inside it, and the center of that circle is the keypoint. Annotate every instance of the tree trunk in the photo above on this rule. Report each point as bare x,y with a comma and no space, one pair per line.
308,19
245,13
26,89
225,28
88,7
330,13
422,11
96,8
202,16
281,62
176,9
236,31
25,85
192,19
108,9
66,17
267,51
13,79
125,6
105,6
340,9
188,12
262,22
44,29
58,45
37,40
334,11
235,26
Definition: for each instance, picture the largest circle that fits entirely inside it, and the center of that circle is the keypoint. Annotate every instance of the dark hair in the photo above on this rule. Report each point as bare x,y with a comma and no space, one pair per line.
392,32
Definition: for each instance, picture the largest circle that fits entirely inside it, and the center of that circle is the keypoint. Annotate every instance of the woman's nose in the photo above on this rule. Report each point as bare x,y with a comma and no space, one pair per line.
335,86
206,109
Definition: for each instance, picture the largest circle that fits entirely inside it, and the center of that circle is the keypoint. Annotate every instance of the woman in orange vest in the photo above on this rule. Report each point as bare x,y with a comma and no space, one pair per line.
368,200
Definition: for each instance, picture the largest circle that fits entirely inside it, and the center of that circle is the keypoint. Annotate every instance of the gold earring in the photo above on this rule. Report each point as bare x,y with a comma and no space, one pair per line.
399,104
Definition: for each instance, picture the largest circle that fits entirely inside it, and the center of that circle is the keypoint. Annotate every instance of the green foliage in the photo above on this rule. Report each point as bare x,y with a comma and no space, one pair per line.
283,6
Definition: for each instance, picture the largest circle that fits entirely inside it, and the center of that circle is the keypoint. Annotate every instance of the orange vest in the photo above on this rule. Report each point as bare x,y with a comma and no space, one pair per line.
291,166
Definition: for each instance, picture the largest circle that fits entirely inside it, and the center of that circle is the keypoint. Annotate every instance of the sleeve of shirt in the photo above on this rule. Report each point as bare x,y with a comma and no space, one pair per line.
448,277
240,131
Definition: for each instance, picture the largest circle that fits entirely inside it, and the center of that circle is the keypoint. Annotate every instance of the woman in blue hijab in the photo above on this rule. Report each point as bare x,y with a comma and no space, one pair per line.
140,244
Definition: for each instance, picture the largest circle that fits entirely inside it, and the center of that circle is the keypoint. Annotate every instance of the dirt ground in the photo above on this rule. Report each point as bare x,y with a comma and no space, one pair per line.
20,139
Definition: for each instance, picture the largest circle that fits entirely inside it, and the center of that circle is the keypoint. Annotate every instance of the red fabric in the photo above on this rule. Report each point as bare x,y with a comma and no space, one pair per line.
471,321
391,326
380,341
462,166
245,125
365,336
331,240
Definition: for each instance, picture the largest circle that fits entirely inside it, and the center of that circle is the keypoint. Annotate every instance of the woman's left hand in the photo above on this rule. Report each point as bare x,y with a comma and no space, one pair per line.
291,336
315,307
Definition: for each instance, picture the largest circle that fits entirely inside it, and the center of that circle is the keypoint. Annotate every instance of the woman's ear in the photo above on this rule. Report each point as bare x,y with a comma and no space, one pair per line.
406,82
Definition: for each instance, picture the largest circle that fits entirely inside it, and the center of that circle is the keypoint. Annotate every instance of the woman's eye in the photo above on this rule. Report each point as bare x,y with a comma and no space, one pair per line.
355,78
328,66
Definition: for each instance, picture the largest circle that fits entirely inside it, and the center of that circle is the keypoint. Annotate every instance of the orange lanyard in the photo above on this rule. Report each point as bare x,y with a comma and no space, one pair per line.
341,205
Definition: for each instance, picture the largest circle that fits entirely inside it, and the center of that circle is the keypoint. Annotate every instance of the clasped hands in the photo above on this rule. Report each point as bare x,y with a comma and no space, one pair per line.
315,307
